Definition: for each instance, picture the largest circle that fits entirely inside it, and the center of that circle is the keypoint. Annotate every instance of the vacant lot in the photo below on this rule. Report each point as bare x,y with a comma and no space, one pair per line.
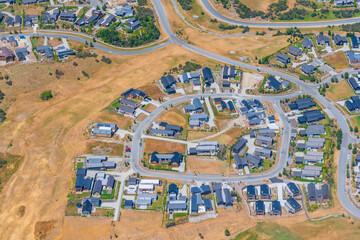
205,165
355,121
259,5
194,135
104,148
338,60
92,228
229,137
339,91
162,146
174,116
122,122
149,107
153,90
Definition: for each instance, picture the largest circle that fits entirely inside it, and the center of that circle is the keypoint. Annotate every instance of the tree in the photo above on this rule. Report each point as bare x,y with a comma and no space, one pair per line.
47,95
97,7
346,75
350,146
104,7
356,129
227,232
354,151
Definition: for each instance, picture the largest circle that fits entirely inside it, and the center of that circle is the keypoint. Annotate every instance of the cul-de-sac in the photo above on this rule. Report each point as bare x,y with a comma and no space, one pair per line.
179,119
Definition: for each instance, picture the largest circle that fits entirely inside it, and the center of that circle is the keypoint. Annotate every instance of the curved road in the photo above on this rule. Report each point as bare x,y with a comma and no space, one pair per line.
217,15
305,89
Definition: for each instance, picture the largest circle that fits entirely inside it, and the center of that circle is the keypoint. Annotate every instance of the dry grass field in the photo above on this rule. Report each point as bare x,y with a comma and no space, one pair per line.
205,165
338,60
150,107
122,122
339,91
160,146
104,148
229,137
258,5
174,116
194,135
49,134
153,90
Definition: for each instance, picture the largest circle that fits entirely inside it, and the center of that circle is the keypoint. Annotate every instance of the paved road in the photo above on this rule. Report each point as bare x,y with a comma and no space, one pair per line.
208,7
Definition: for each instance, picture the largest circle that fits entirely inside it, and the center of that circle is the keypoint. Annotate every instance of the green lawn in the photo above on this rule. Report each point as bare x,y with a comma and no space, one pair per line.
111,195
158,205
356,121
79,165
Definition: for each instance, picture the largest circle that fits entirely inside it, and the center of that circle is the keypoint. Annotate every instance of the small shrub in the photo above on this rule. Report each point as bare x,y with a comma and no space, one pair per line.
85,74
47,95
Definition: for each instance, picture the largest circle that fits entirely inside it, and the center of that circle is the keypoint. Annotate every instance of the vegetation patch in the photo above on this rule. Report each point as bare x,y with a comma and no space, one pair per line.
47,95
8,166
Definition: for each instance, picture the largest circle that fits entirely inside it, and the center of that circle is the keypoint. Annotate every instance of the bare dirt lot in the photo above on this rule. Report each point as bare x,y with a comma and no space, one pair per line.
251,81
205,165
160,146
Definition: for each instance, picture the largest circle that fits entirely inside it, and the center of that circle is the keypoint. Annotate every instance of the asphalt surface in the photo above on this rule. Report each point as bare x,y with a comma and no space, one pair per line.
217,15
137,148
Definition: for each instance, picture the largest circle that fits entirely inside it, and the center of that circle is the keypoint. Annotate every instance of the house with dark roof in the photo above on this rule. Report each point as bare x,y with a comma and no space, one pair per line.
254,161
263,152
275,208
86,208
128,204
174,159
266,132
219,198
45,51
307,43
228,72
241,143
354,58
311,116
168,82
132,93
259,208
295,51
205,189
302,104
292,190
6,55
354,41
124,11
196,106
208,76
273,83
251,192
321,40
292,205
133,24
282,58
339,40
228,199
165,126
354,84
264,141
240,162
83,184
308,69
265,191
68,17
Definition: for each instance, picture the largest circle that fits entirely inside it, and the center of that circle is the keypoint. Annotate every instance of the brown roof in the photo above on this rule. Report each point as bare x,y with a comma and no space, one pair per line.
5,52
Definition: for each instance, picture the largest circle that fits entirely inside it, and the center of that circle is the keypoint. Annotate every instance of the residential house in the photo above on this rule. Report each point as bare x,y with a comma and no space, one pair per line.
354,58
292,205
344,2
68,17
128,204
266,132
307,43
63,53
275,208
45,52
132,93
239,146
321,40
311,116
195,107
207,148
208,76
302,104
339,40
254,161
308,69
265,192
354,41
315,194
86,208
133,24
354,84
166,126
282,58
251,192
168,83
292,190
263,152
174,159
295,51
315,130
228,72
124,11
6,55
240,162
259,208
273,84
264,141
83,184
